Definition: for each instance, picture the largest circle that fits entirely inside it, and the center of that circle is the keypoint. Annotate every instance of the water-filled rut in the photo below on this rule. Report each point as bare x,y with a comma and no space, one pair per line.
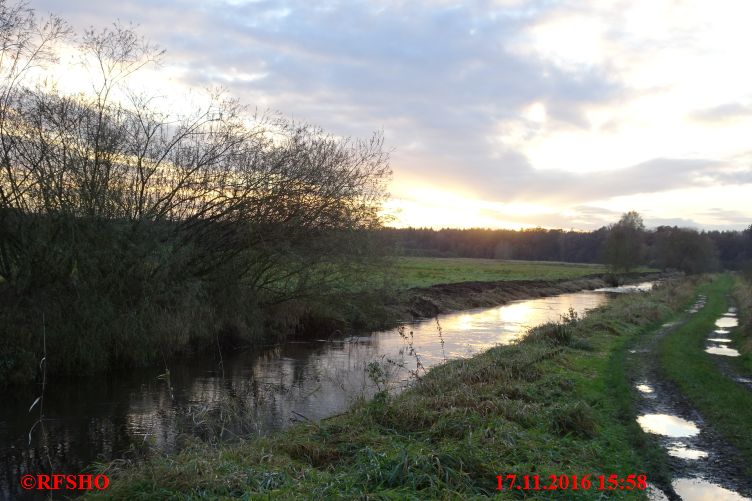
704,466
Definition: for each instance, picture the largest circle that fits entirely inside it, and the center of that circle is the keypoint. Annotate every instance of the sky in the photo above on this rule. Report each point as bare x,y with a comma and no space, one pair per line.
497,113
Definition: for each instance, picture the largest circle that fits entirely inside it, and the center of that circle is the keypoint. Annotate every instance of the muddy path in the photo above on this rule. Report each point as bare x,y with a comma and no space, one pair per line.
703,464
720,341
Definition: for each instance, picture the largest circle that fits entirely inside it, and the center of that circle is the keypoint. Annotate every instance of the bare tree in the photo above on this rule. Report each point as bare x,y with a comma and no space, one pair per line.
132,210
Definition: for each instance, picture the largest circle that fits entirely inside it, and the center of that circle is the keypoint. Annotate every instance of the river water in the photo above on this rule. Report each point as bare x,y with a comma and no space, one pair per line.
103,418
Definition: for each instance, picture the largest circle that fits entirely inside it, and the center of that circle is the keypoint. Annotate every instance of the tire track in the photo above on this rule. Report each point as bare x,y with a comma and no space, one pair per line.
702,463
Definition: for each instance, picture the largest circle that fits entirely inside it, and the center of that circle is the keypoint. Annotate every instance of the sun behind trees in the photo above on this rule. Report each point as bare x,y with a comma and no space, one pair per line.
133,232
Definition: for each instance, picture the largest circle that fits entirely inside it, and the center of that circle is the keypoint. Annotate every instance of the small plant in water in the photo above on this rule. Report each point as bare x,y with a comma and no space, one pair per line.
419,370
40,399
441,338
571,317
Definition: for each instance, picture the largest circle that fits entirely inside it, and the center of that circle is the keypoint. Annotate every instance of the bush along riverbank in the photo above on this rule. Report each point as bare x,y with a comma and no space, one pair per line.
557,403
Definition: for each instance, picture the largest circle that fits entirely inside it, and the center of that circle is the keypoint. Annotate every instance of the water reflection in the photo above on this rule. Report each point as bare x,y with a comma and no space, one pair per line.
668,425
726,322
99,419
698,489
722,350
680,450
641,287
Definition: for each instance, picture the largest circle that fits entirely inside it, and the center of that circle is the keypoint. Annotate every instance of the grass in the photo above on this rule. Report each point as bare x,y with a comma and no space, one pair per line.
552,404
742,336
426,271
722,402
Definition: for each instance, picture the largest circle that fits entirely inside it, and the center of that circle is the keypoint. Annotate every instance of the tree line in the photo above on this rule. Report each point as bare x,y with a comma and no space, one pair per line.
622,245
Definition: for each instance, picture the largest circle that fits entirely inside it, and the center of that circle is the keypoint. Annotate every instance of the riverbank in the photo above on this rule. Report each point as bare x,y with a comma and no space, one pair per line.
369,312
430,301
553,404
77,349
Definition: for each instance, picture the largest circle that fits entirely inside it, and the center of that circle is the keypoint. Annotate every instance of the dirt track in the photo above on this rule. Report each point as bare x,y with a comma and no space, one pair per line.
718,461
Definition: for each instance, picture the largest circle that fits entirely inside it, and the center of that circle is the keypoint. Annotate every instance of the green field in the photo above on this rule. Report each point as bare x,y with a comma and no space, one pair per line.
426,271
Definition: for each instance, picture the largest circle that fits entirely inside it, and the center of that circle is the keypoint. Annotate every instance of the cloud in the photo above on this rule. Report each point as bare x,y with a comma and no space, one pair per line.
723,113
452,85
516,179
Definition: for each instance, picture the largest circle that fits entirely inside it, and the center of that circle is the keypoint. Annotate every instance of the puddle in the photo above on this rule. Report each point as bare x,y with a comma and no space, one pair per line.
698,489
680,450
726,322
722,350
732,310
722,331
719,339
668,425
644,388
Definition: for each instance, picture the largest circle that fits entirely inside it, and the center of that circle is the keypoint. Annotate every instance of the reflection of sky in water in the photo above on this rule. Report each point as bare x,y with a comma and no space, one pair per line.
722,350
99,418
680,450
668,425
725,322
697,489
470,332
641,287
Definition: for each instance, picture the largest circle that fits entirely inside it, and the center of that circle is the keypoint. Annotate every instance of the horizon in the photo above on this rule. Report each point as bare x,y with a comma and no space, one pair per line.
504,114
566,230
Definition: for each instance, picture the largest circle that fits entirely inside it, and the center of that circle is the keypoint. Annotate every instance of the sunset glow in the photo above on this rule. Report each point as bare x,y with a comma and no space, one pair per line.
510,114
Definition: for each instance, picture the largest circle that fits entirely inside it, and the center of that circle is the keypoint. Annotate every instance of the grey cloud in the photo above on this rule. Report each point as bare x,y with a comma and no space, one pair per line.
584,217
515,178
412,60
732,216
723,113
674,221
438,74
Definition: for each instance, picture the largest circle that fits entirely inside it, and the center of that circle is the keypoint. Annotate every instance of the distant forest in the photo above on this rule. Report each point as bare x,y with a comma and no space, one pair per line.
663,247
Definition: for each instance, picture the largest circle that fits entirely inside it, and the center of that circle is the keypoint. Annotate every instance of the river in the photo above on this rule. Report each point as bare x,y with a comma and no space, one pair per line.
102,418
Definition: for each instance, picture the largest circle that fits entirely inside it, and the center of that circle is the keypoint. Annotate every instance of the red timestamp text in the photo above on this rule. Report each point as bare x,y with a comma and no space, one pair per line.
511,481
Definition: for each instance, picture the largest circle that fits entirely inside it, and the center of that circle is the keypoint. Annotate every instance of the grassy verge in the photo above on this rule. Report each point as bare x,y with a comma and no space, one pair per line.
427,271
553,404
742,336
727,405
